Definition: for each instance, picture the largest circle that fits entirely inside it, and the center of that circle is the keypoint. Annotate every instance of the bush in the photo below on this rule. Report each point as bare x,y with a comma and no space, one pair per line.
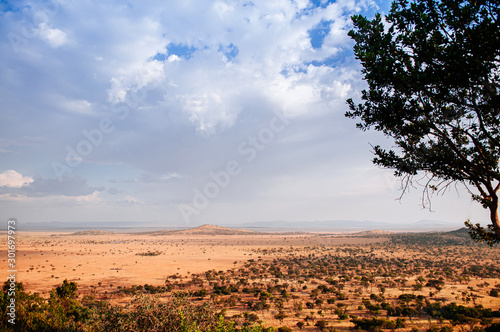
146,313
200,293
446,329
493,328
321,324
284,329
375,324
61,312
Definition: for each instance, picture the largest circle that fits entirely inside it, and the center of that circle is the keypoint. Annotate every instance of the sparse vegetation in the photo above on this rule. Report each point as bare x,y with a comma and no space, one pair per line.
149,253
430,281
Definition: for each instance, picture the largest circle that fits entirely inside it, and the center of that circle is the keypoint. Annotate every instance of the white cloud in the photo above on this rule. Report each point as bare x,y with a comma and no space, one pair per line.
13,179
269,38
148,177
222,9
169,176
173,58
147,73
208,110
81,106
54,37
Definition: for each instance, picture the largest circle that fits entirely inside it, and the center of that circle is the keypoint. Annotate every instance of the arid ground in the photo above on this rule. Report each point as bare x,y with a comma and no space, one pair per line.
282,278
123,259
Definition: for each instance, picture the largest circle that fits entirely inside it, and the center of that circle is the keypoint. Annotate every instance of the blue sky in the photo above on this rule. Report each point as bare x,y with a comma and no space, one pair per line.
191,112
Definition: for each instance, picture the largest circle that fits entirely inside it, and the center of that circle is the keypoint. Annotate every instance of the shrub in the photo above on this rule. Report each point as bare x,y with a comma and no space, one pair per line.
68,290
61,312
200,293
284,329
377,323
321,324
493,328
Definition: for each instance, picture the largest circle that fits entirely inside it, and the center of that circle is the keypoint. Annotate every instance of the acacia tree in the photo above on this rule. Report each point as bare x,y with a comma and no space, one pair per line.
433,73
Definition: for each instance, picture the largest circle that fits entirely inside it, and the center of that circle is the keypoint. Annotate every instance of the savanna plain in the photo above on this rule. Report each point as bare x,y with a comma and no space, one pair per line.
213,278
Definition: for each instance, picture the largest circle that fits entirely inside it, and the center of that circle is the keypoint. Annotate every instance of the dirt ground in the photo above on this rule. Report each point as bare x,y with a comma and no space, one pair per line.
105,263
44,259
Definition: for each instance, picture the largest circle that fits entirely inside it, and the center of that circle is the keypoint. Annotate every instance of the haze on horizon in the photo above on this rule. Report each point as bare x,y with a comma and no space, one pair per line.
190,113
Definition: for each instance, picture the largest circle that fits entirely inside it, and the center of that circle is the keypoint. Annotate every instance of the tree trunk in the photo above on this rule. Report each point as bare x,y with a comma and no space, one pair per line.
494,215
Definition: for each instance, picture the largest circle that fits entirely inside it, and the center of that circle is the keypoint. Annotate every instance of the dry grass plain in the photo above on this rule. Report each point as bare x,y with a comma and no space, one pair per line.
309,277
45,259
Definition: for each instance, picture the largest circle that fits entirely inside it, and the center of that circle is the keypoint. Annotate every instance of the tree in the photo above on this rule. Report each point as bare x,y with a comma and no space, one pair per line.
280,316
432,70
68,290
321,324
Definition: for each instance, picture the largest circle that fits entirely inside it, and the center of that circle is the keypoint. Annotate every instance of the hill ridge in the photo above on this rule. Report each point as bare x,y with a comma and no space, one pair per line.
206,229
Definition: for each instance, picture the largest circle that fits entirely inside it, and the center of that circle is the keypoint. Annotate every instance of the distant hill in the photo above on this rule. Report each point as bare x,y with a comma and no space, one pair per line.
456,237
462,232
375,232
206,230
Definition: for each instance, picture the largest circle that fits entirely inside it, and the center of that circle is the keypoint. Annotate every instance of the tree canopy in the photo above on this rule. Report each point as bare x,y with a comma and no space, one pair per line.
433,76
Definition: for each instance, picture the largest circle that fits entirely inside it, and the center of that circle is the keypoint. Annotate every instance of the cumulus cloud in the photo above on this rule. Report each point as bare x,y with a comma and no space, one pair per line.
208,110
132,80
13,179
261,46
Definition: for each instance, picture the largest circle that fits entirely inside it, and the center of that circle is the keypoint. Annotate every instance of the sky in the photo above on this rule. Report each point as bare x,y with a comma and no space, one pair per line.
192,112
